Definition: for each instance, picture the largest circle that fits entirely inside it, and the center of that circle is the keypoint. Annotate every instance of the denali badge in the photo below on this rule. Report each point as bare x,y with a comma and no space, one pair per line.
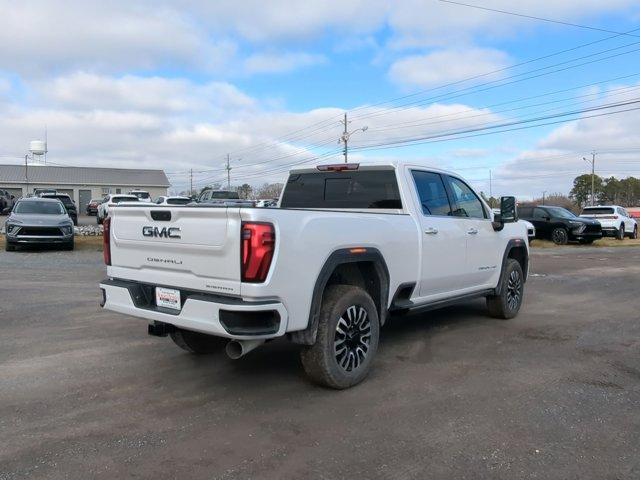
164,232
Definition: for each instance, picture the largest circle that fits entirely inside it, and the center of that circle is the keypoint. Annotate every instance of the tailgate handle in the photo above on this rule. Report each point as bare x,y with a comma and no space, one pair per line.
161,215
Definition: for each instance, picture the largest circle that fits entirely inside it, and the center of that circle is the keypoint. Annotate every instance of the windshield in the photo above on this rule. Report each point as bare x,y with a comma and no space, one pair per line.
224,195
39,208
178,201
64,199
560,212
597,211
144,195
132,198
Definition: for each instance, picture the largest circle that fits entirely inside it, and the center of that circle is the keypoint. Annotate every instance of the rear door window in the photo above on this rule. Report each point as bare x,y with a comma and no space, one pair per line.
432,193
540,213
364,189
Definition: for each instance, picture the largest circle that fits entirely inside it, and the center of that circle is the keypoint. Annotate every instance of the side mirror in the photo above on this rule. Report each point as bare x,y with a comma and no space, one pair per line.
508,213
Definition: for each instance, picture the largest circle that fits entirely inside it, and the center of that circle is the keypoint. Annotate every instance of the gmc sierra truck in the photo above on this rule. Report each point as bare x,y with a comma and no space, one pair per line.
348,246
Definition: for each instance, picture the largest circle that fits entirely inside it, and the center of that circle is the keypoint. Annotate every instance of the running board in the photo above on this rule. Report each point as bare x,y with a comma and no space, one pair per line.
407,305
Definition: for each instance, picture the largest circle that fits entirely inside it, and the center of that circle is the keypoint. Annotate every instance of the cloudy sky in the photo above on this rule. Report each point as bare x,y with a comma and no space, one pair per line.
178,85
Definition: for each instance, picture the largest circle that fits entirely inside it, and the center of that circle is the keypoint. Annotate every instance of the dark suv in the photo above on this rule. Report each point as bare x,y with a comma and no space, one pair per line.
560,225
67,202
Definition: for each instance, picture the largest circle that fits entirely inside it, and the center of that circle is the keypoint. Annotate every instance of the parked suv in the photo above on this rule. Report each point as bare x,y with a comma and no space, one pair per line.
616,221
92,206
560,225
39,221
67,202
6,201
109,201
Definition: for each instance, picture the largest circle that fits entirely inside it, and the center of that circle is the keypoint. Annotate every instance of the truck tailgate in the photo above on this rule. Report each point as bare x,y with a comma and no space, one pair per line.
189,247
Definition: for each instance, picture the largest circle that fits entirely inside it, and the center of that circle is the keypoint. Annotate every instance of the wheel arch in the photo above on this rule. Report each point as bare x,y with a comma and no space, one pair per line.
517,249
348,266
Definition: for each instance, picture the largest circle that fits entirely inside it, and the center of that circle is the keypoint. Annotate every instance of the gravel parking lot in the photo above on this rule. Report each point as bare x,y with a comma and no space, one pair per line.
554,393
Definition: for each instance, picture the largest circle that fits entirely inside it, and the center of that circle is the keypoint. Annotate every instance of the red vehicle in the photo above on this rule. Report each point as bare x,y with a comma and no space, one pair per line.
92,206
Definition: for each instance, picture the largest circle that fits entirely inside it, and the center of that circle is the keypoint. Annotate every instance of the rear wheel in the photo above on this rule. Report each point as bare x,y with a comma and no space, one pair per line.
98,219
347,338
560,236
620,232
507,303
196,342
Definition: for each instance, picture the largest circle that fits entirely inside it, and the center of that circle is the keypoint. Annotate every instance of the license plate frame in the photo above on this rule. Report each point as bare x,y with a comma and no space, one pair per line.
168,298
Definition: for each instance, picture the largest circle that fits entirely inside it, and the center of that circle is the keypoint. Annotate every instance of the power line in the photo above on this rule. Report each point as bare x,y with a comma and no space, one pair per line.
532,17
275,142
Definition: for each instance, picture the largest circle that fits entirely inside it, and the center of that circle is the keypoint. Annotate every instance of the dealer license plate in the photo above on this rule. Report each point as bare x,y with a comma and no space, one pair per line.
168,298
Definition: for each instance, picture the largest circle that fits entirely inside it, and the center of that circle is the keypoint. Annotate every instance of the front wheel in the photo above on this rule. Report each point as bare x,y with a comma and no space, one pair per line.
507,303
560,236
634,235
347,338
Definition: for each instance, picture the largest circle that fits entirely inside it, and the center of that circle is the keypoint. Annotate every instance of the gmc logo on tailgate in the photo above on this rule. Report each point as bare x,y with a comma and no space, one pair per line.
164,232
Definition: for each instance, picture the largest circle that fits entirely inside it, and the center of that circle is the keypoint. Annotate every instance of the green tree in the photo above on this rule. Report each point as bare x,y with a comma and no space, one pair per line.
581,191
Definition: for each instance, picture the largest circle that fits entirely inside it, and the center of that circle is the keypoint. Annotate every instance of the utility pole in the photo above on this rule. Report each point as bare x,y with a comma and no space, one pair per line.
228,168
26,173
346,135
490,185
593,176
544,192
190,181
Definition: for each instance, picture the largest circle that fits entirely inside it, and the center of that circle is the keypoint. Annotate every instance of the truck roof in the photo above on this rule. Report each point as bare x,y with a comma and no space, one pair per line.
396,164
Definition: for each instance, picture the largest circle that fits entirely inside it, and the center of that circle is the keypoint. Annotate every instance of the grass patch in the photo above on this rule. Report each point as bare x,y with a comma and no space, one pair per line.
603,242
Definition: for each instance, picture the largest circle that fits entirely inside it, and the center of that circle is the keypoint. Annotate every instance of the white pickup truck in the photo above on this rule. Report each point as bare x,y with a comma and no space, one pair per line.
347,246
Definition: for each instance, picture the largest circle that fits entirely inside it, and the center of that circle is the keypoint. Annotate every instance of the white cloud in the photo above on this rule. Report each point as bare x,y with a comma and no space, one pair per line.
87,91
176,124
281,62
42,37
558,157
448,65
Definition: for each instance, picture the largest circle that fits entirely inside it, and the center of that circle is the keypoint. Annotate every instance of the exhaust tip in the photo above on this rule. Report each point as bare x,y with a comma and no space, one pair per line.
234,350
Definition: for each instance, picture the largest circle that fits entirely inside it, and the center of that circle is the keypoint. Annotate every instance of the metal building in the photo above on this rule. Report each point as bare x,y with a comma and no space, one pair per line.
81,183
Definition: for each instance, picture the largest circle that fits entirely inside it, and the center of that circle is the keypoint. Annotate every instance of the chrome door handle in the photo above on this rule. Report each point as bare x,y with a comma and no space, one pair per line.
472,231
431,231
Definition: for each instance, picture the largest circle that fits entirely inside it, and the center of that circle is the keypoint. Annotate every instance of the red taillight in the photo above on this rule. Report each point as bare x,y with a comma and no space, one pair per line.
338,167
106,240
258,243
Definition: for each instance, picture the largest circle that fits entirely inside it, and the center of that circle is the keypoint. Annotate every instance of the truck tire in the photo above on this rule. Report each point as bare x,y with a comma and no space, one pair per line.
507,304
560,236
347,338
196,342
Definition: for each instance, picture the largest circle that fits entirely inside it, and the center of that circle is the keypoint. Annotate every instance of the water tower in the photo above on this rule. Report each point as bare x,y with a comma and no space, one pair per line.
38,149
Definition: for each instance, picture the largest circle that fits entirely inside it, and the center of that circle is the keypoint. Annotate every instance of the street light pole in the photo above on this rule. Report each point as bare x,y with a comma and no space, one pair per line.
346,135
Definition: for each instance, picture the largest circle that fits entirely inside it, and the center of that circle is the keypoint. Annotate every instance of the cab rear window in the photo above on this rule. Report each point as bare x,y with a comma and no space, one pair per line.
365,189
597,211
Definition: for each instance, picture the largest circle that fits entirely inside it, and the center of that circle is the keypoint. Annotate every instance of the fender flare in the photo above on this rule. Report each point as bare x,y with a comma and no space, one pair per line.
340,257
513,243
